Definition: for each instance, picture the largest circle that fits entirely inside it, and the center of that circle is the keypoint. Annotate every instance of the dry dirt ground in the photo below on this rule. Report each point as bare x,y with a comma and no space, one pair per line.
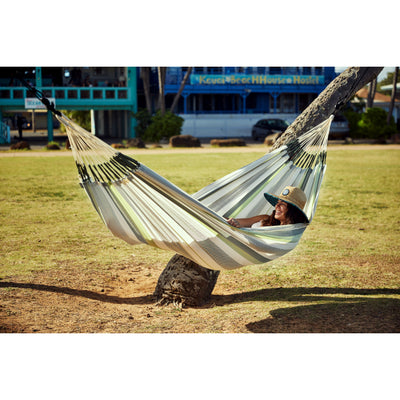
117,300
120,300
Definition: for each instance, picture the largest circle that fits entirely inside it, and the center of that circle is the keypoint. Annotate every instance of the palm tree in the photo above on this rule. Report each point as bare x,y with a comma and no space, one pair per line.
371,93
161,83
145,75
393,97
183,83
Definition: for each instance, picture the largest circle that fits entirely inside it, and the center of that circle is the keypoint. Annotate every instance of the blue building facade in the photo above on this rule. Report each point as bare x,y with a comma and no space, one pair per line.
109,92
113,94
233,90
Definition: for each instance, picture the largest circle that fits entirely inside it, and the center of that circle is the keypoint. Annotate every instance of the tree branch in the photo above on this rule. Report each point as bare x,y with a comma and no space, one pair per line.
337,94
183,83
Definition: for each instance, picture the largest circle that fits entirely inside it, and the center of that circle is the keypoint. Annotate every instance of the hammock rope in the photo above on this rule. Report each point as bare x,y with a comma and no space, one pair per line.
141,207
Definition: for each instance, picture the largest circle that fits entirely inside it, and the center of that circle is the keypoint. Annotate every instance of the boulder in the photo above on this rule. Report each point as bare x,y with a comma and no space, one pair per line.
136,142
271,139
227,142
184,141
52,146
118,146
20,146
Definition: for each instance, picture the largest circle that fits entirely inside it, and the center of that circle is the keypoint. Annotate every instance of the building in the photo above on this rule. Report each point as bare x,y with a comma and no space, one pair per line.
227,101
216,101
381,101
248,89
109,92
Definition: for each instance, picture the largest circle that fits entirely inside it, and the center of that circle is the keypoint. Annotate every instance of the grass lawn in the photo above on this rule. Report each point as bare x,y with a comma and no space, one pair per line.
62,271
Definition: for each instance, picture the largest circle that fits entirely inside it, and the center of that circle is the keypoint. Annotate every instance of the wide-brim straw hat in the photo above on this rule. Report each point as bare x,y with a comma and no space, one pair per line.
292,195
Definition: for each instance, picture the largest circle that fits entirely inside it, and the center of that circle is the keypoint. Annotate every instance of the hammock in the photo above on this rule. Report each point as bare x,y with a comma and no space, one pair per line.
140,206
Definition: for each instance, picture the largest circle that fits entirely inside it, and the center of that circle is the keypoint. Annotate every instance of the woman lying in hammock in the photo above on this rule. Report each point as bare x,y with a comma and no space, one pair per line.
288,210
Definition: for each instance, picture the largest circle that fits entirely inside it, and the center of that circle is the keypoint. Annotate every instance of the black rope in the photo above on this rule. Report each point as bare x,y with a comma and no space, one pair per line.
39,94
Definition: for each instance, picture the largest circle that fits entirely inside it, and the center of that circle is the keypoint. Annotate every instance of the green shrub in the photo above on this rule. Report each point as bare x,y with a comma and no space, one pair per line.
373,124
143,120
163,126
81,117
52,146
353,118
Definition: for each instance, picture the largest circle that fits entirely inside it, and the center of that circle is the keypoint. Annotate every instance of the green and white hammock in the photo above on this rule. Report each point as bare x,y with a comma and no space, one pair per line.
140,206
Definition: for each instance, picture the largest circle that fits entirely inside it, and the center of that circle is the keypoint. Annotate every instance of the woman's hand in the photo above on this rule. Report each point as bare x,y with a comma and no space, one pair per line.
234,222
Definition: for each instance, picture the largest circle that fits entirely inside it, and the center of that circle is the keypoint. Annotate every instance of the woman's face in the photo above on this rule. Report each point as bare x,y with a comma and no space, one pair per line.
280,211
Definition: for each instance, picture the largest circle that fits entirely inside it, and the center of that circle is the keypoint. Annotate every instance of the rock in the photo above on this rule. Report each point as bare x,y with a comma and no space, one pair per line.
20,146
348,140
271,139
184,141
118,146
136,142
227,142
52,146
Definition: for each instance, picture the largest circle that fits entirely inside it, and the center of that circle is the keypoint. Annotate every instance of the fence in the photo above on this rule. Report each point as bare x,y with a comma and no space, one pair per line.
5,136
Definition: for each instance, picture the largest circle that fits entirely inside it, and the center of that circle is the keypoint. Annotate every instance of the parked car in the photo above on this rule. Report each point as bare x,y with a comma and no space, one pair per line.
266,127
339,128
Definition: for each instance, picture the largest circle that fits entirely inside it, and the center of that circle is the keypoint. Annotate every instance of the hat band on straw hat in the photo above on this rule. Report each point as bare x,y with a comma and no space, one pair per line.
290,194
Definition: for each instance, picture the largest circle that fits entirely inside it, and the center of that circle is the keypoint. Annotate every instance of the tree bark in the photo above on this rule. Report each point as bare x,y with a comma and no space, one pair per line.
335,96
161,82
393,97
371,93
181,280
183,83
185,283
145,75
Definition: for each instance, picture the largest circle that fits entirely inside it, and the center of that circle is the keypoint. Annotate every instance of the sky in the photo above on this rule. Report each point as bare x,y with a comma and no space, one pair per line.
381,76
178,33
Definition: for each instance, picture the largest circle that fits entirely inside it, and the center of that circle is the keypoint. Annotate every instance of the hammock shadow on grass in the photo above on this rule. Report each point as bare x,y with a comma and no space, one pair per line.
147,299
298,294
332,310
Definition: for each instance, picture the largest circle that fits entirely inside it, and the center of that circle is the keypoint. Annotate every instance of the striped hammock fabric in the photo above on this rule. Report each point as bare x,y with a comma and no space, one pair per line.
140,206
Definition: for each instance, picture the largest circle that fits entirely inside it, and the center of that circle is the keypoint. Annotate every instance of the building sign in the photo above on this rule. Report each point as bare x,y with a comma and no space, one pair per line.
241,79
32,103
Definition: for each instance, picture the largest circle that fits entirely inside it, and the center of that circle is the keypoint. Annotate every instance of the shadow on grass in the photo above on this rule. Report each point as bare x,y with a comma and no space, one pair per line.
353,316
332,310
299,294
322,310
148,299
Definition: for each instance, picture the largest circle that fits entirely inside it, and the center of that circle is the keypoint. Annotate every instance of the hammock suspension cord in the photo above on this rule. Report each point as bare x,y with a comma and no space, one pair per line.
141,207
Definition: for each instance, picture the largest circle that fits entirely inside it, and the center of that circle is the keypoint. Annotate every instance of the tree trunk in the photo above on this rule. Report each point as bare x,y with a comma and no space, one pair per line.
336,95
393,97
145,75
181,280
183,83
371,93
161,82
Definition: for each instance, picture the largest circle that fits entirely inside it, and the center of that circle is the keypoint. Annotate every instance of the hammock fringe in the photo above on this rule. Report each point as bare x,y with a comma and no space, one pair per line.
140,206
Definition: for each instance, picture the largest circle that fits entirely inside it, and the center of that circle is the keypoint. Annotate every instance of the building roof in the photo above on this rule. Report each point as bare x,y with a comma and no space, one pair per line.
379,97
389,87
